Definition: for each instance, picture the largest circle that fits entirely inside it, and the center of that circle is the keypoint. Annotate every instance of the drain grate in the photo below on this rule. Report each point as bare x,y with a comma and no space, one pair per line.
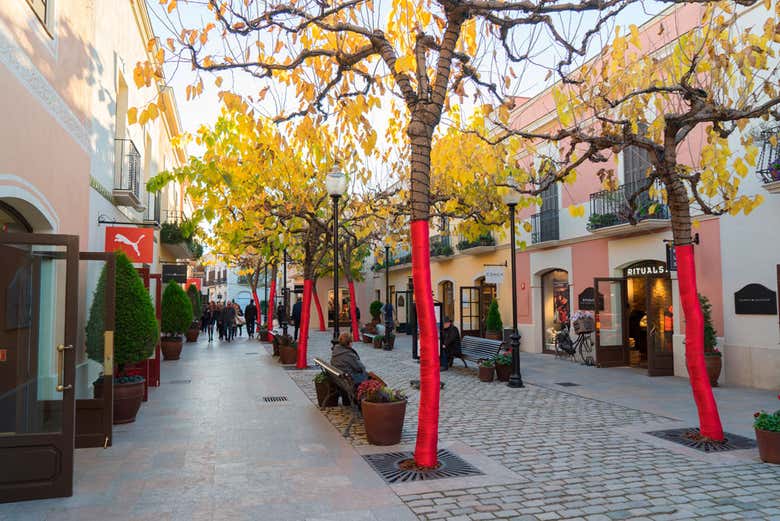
252,353
179,382
274,399
387,465
690,437
567,384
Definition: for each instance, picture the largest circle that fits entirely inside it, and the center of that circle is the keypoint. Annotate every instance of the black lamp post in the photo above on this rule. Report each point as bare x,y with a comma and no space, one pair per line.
388,314
511,198
286,312
336,185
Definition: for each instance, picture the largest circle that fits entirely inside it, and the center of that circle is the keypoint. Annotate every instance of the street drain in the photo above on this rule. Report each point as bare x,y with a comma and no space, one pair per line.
690,437
567,384
391,467
274,399
179,382
252,353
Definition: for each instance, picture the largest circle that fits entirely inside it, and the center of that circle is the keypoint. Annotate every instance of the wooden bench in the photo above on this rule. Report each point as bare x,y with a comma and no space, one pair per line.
369,337
342,382
475,349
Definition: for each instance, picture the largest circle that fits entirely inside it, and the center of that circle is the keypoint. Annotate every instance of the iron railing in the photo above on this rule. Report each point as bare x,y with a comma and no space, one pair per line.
768,166
173,216
127,177
611,207
486,239
152,212
544,226
440,245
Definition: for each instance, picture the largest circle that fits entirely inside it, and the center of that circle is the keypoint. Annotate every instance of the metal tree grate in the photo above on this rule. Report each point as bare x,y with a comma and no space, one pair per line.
450,466
252,353
690,437
293,367
179,382
274,399
567,384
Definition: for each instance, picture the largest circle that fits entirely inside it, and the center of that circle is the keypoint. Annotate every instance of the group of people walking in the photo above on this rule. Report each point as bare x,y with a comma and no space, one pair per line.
229,319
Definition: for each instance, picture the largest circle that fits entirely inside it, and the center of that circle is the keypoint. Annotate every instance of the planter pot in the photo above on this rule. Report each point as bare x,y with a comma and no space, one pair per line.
503,372
327,396
768,446
493,335
634,358
384,422
486,374
192,334
127,400
288,354
389,343
366,339
377,343
714,366
171,347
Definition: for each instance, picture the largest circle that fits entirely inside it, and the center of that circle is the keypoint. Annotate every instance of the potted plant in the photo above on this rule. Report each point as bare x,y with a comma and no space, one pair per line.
383,409
262,333
712,357
288,349
767,426
327,396
486,370
503,364
194,295
389,339
378,339
374,309
493,324
176,319
135,335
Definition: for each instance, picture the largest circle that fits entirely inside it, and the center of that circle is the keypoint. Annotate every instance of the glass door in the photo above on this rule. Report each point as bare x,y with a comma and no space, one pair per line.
611,349
38,333
660,327
469,311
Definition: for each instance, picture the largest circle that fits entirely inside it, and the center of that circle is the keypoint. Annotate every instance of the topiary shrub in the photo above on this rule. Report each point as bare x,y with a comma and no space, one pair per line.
493,320
375,309
194,296
135,329
176,310
710,335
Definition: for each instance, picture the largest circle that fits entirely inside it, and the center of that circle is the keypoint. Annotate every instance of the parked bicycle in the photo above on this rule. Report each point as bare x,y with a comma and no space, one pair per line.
582,346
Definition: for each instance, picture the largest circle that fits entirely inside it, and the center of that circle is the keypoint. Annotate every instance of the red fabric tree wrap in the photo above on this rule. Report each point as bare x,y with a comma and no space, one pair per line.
428,419
257,305
318,306
709,419
303,343
353,311
270,303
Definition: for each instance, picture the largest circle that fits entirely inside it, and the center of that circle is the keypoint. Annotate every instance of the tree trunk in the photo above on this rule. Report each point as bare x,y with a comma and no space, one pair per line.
270,303
679,206
318,305
258,320
353,311
303,342
420,133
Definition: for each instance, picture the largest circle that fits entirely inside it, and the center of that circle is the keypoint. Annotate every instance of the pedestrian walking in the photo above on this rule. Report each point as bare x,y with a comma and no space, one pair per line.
296,316
228,321
250,314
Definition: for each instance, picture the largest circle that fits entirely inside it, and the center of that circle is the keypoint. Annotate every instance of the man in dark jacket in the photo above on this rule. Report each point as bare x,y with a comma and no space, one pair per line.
229,320
296,316
347,360
450,340
250,314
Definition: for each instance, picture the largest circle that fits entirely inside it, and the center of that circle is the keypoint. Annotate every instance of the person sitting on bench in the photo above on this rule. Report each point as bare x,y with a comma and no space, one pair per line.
346,359
450,339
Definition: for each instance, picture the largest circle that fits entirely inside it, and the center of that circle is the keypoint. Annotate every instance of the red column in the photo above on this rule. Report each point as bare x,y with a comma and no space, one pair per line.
270,317
353,311
303,343
319,307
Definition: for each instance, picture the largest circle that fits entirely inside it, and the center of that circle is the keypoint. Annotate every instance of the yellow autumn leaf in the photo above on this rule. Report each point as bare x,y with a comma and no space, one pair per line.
132,115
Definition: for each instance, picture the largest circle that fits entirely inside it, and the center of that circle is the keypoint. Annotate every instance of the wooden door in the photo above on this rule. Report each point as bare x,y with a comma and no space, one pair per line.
38,332
470,311
660,329
611,349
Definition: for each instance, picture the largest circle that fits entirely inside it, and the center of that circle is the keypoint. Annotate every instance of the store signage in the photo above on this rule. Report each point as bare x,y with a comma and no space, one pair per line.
587,300
671,257
174,272
647,269
755,299
194,280
136,243
494,275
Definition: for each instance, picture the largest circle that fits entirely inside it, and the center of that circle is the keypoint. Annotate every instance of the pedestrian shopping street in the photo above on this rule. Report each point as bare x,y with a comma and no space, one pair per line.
206,446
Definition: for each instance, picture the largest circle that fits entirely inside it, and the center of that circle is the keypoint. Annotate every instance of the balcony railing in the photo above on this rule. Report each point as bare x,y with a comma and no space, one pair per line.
127,175
486,239
440,245
544,226
611,207
152,212
769,160
173,216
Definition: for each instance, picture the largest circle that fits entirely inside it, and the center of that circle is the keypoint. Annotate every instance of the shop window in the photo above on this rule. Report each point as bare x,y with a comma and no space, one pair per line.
555,305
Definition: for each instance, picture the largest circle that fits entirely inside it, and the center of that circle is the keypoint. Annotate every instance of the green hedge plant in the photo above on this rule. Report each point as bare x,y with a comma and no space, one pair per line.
176,310
135,329
375,309
194,296
493,321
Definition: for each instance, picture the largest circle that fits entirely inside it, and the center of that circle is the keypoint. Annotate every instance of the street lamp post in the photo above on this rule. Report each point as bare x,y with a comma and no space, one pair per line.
511,197
336,185
286,312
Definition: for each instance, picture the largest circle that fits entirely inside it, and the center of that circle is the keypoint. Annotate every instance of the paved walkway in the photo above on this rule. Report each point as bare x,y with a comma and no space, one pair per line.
212,449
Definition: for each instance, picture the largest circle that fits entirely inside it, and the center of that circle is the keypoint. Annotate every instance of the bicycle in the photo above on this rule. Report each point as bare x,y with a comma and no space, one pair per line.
565,347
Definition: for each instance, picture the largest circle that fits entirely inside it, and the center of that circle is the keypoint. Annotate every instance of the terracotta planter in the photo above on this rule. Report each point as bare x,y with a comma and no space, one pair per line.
327,396
714,366
384,422
389,343
192,334
768,446
127,400
503,372
171,347
288,354
486,374
377,343
493,335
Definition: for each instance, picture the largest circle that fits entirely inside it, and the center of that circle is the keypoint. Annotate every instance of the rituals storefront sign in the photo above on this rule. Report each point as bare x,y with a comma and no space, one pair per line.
755,299
587,300
647,269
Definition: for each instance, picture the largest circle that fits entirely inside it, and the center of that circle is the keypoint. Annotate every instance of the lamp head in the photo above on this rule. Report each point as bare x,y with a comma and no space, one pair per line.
510,196
336,183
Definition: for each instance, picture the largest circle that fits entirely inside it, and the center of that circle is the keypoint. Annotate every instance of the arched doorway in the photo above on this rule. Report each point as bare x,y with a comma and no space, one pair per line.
447,298
12,220
487,294
556,307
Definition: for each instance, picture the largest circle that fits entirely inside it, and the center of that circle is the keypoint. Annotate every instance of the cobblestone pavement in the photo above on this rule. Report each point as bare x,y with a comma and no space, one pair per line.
576,458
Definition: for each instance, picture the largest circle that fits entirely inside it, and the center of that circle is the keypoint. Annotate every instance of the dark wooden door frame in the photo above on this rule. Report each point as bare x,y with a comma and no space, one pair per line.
40,465
94,417
623,359
656,367
541,289
471,316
